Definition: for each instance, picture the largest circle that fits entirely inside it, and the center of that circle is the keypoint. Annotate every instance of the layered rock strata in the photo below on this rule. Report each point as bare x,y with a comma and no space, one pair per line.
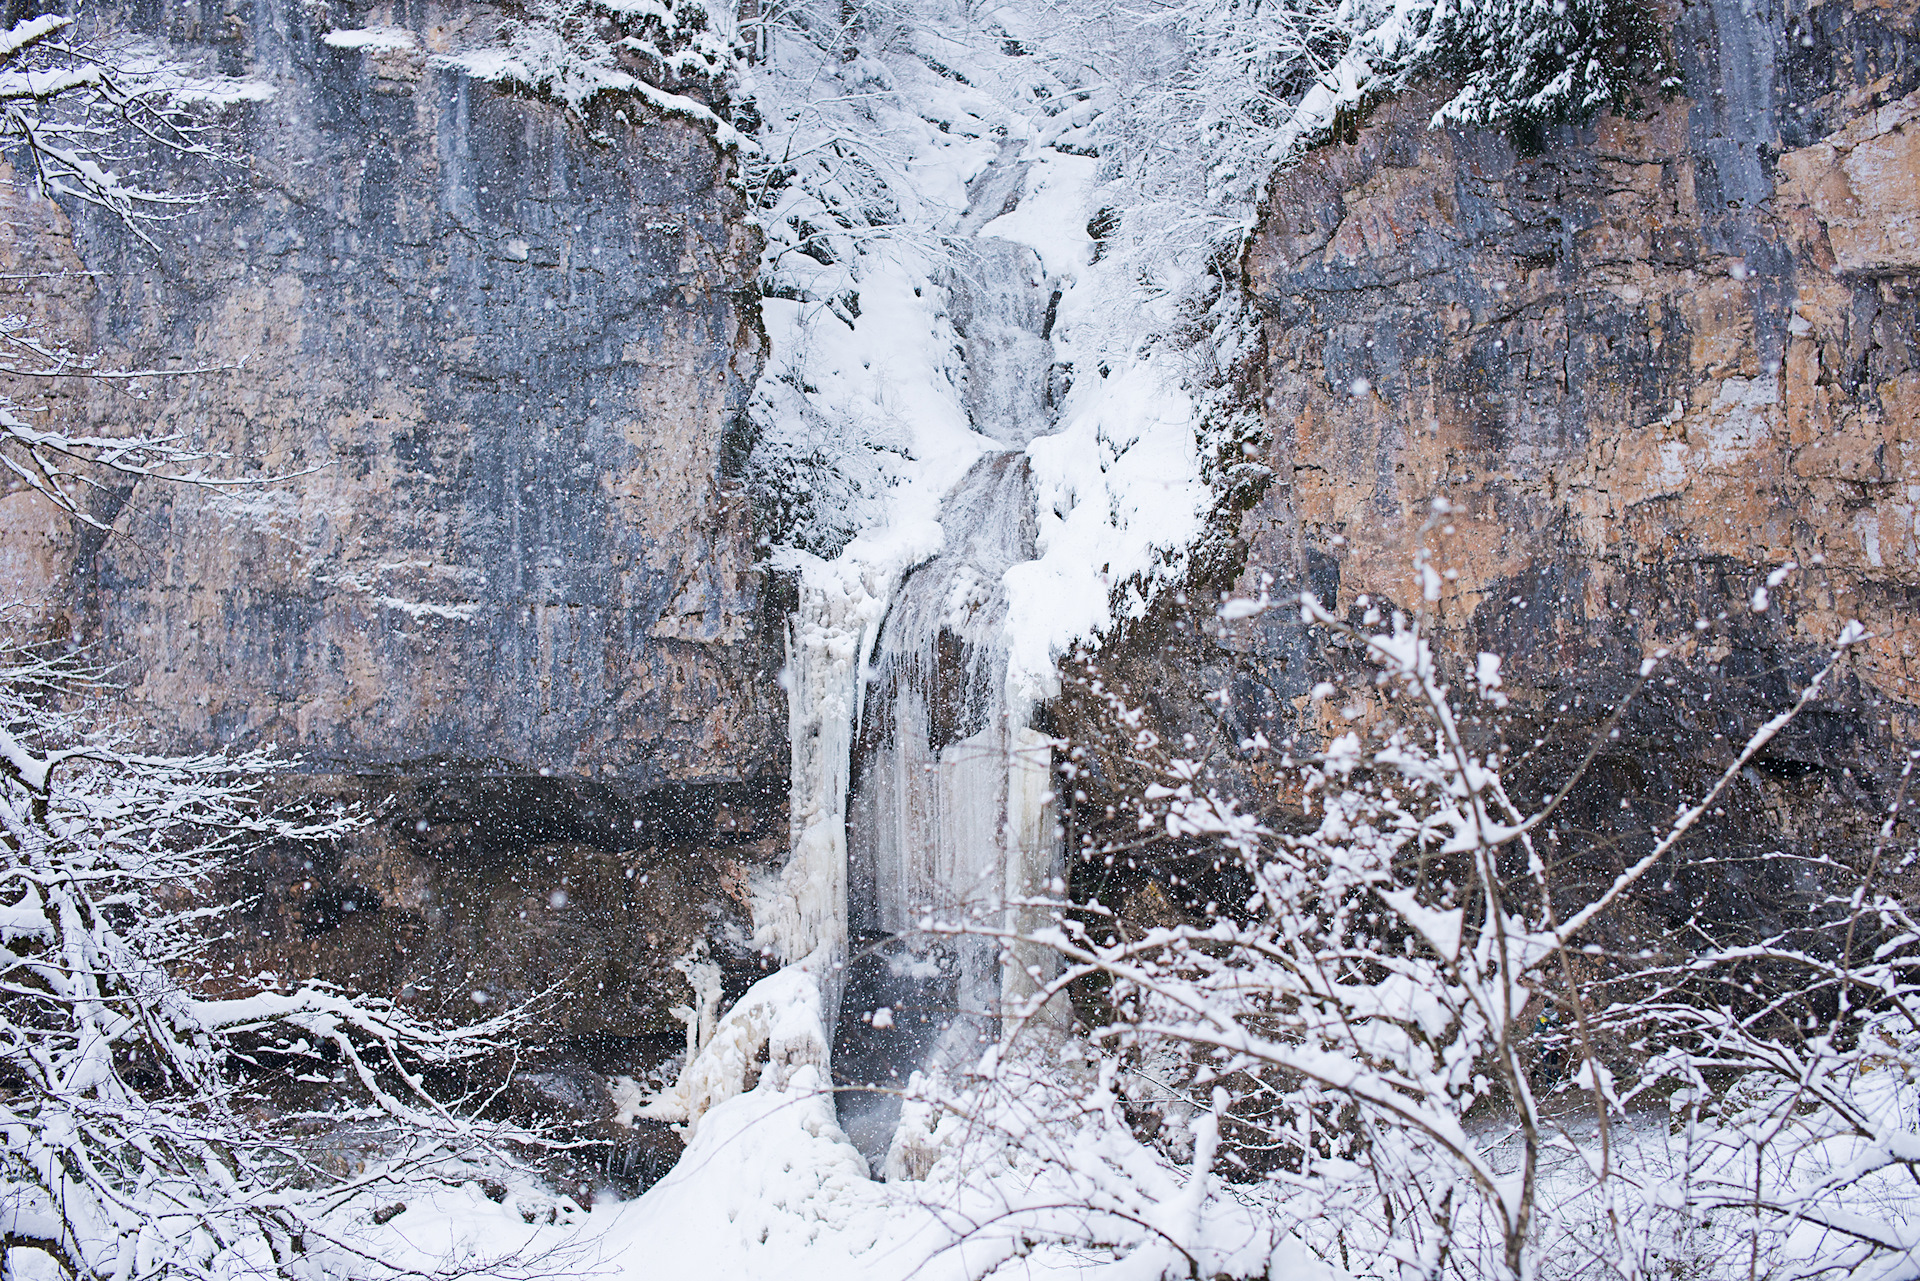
489,355
1646,366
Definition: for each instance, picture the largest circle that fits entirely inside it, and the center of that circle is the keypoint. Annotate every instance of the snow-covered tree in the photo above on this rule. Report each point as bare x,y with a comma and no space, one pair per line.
78,128
1407,1043
144,1104
1522,65
1193,104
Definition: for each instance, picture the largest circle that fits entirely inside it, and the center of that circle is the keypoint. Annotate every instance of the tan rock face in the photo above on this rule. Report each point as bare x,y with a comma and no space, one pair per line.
491,359
492,363
1855,197
1644,367
35,558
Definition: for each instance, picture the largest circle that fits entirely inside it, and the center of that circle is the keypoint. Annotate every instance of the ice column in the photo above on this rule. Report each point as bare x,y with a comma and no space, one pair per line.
802,913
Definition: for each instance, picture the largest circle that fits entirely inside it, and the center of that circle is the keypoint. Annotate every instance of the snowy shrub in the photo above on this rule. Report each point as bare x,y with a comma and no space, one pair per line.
673,57
1196,104
1403,1043
1525,65
151,1107
144,1099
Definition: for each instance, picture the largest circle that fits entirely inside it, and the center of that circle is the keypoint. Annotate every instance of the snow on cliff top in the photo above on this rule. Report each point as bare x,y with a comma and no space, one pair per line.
869,338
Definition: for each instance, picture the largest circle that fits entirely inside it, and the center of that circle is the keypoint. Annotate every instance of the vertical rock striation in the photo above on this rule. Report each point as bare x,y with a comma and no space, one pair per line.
495,349
1645,368
1646,365
502,592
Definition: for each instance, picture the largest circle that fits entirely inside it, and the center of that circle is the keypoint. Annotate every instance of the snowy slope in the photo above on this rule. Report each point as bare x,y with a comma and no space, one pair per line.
880,390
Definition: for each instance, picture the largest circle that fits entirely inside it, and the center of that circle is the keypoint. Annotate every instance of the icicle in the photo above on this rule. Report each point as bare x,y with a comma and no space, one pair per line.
802,912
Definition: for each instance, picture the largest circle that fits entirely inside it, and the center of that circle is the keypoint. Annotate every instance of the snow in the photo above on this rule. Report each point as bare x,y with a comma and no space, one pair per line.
1121,494
781,1014
1058,201
30,30
465,612
548,50
1120,499
769,1187
31,770
548,66
867,392
919,199
373,39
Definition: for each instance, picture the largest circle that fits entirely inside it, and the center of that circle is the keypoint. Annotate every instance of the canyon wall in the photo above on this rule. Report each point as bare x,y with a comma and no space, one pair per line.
490,355
1658,358
1644,368
491,351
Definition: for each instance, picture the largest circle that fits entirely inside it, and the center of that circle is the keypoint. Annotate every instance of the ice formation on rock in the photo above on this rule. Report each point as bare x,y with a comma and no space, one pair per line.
951,816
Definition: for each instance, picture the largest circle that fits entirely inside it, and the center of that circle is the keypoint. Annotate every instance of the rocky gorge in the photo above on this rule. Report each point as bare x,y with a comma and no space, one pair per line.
500,582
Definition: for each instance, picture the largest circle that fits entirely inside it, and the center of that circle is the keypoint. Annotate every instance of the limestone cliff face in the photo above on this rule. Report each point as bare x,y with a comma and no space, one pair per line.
499,592
493,351
1645,366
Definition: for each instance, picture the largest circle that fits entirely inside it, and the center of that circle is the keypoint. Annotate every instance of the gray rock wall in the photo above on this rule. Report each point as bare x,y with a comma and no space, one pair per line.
1646,365
501,592
494,352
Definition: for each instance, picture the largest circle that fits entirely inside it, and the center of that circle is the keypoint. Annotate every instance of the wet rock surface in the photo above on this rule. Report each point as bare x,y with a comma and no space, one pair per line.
600,921
464,896
492,349
1645,367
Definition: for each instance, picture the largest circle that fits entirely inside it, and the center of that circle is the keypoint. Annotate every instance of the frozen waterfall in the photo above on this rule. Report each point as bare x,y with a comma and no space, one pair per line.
950,817
999,304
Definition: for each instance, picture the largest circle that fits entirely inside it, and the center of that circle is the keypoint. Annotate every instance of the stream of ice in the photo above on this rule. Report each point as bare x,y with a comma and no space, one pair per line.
951,815
1001,467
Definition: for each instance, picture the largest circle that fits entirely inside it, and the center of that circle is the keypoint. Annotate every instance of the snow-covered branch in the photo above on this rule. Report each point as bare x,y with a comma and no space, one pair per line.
148,1124
1404,1009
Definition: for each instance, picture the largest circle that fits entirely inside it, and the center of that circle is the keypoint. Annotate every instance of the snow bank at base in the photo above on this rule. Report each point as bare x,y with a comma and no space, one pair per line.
1036,1178
770,1190
1026,1167
481,1231
768,1187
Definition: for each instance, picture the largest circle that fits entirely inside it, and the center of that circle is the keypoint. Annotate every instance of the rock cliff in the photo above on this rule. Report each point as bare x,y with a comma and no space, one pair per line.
492,354
492,351
1645,367
1657,358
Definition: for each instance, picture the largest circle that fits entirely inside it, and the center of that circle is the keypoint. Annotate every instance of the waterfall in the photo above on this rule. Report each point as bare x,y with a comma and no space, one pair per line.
998,303
802,915
951,815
